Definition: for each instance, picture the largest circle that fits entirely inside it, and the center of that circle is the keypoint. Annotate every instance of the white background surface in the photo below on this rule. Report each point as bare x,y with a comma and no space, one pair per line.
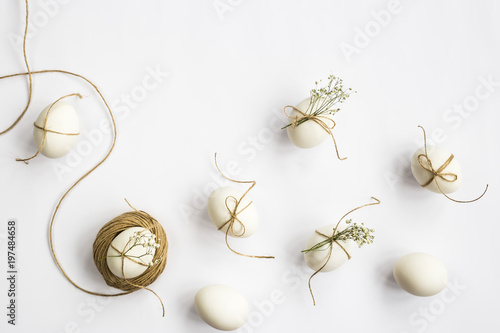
228,79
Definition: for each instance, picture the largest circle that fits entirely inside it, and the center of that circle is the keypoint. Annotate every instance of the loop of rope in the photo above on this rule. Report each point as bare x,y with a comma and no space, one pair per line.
45,130
233,214
30,73
333,239
52,220
439,173
318,119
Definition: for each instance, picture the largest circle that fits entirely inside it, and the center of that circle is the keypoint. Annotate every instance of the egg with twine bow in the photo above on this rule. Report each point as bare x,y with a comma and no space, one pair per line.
312,119
222,207
312,132
437,170
448,176
232,211
341,250
331,246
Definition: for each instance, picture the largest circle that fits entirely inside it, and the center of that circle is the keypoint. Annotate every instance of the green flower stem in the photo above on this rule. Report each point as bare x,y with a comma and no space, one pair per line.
323,99
319,245
359,233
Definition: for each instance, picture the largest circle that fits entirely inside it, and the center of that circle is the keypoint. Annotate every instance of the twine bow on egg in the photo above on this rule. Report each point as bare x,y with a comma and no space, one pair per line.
234,212
439,173
318,119
448,176
332,239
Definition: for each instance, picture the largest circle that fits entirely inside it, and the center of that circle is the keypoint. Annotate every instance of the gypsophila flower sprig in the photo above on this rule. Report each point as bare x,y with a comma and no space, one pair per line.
324,98
359,233
148,241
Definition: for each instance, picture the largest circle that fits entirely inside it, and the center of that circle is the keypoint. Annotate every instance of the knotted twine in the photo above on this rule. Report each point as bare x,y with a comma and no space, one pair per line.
131,288
439,173
234,212
333,239
318,119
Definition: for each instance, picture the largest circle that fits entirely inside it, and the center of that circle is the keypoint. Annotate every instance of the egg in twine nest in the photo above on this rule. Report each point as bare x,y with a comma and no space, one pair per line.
106,240
152,270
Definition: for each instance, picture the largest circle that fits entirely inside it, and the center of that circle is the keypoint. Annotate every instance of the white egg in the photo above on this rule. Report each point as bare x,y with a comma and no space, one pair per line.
438,157
136,260
308,134
63,119
222,307
316,259
420,274
219,213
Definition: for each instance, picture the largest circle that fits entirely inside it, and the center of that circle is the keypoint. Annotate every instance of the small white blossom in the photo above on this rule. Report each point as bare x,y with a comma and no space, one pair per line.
148,242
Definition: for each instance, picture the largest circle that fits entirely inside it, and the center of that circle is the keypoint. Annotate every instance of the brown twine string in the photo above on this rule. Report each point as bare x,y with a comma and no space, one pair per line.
30,79
107,234
45,130
445,176
332,240
58,206
29,73
52,131
320,120
234,213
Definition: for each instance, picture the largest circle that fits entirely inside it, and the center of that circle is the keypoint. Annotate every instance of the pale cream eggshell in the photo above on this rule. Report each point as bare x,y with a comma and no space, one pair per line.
122,242
420,274
219,214
222,307
438,157
316,259
62,118
308,134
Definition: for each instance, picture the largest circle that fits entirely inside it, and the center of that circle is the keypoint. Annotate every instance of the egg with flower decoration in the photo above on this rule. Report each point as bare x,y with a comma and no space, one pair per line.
131,252
311,121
